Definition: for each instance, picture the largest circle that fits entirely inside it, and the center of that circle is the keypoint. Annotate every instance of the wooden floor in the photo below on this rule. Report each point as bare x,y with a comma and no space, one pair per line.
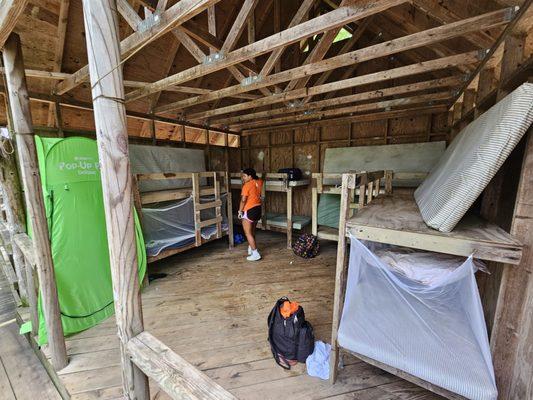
22,376
212,310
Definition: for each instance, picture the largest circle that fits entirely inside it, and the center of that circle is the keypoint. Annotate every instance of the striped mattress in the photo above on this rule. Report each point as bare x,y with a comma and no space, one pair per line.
472,160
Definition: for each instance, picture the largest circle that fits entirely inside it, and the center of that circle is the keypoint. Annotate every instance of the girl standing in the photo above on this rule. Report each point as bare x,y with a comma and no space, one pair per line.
250,209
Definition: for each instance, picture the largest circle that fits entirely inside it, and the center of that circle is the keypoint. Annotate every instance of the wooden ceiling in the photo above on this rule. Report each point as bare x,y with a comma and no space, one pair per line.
244,64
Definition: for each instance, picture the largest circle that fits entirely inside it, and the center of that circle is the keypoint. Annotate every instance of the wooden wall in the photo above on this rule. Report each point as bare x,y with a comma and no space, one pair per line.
305,147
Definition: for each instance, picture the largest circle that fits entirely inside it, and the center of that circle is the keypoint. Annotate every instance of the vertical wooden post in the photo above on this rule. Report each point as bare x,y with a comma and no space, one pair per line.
314,204
348,182
22,126
229,208
388,182
15,217
196,203
363,180
102,36
218,212
513,322
289,215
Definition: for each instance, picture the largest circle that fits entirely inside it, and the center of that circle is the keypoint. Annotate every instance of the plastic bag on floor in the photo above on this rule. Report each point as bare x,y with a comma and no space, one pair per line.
432,328
318,362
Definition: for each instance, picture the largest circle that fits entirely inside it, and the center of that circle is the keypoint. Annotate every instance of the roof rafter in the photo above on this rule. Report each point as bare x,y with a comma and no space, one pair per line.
407,70
339,17
368,53
10,11
166,21
353,98
428,99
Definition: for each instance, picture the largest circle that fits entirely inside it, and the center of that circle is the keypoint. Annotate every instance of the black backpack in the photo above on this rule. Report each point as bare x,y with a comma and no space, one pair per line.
307,246
290,338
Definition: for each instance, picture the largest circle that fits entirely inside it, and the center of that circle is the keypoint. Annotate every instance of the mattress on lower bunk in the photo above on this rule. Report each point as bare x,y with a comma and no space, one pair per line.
421,313
170,225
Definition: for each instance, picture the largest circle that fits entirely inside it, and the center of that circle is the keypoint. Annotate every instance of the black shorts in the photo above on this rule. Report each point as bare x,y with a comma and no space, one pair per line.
253,214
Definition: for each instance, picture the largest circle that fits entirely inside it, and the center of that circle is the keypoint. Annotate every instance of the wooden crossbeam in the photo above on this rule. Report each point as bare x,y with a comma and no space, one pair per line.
428,99
174,16
374,94
10,11
347,46
379,50
374,116
317,53
339,17
506,32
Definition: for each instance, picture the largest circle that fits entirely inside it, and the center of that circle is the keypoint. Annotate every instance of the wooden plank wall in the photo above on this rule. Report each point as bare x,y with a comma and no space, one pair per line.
305,147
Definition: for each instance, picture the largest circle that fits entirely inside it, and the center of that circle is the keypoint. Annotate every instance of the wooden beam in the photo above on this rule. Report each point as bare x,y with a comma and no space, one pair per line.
374,94
350,43
515,18
178,378
129,14
10,11
53,112
513,325
428,99
408,70
339,17
103,48
317,53
239,25
415,111
379,50
212,24
174,16
27,154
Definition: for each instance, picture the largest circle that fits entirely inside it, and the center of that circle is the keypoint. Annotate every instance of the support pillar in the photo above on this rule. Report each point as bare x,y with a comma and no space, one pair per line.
22,126
103,48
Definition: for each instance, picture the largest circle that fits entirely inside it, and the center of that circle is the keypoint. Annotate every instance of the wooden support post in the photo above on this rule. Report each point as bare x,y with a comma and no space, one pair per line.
513,325
370,192
103,48
22,126
348,181
289,216
196,204
314,204
15,215
362,190
263,198
218,212
32,297
229,208
388,182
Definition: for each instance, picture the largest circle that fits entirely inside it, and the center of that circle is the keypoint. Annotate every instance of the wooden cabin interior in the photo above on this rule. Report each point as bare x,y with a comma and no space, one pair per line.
363,99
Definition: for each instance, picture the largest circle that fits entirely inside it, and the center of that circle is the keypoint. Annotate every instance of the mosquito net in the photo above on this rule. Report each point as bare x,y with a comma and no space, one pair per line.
170,225
421,313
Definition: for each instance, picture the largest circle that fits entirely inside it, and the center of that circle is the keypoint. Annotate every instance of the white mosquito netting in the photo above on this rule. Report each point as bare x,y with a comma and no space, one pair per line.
419,312
170,225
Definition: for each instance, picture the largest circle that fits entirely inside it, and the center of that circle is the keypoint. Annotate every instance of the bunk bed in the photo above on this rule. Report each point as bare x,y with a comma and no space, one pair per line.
278,182
436,217
370,184
175,220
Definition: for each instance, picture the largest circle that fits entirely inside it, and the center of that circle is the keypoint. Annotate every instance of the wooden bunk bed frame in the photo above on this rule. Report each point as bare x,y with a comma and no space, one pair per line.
275,182
396,220
329,183
216,183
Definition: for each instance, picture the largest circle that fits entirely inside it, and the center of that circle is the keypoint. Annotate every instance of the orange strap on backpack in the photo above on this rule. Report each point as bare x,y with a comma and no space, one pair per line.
288,308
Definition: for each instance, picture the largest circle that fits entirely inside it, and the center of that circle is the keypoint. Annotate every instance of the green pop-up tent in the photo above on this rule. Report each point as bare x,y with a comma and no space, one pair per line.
75,212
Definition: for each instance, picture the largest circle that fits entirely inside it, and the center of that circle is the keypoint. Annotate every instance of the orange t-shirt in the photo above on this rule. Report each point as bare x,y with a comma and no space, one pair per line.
252,190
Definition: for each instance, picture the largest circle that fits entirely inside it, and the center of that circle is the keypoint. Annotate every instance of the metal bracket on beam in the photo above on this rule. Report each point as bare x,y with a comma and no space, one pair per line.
148,23
213,58
251,80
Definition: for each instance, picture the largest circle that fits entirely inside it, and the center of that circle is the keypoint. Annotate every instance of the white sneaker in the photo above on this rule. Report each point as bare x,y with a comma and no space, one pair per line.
249,251
255,256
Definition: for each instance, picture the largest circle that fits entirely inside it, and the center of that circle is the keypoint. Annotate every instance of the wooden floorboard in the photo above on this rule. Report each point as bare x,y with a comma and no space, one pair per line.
211,309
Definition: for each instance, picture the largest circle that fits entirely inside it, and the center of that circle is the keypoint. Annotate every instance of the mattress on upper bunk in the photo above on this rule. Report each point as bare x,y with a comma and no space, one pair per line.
419,312
473,158
170,225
